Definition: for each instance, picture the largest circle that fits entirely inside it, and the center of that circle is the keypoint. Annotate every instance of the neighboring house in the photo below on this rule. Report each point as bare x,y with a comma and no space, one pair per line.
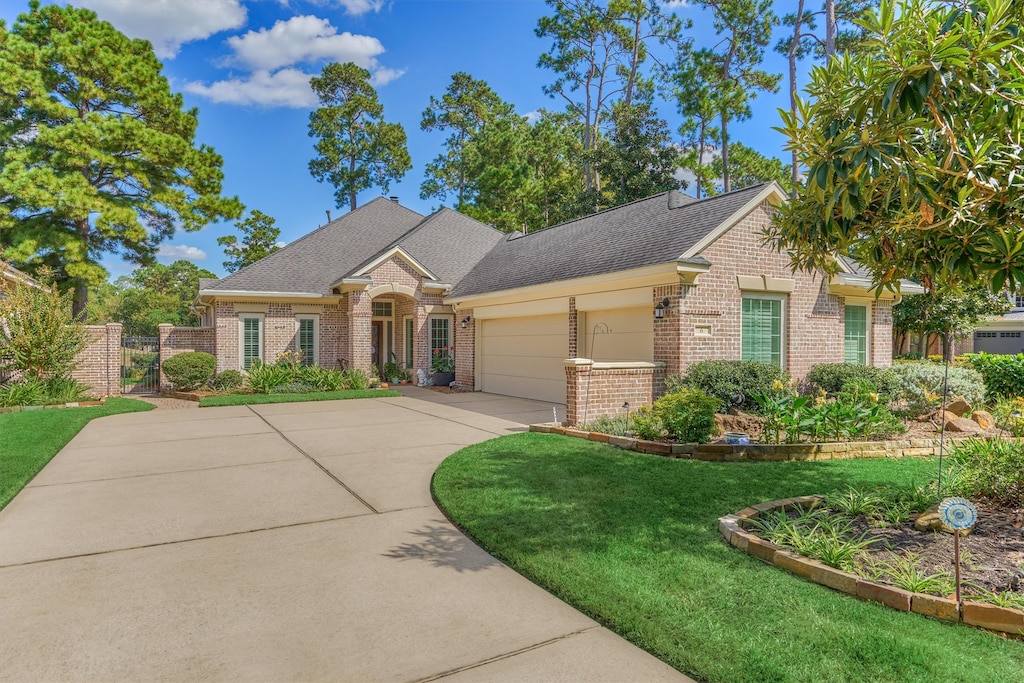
591,313
11,276
1004,333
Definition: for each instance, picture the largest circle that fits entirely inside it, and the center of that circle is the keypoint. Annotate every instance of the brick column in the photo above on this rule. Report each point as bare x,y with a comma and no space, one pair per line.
577,372
421,346
465,350
113,360
881,333
668,332
360,316
164,333
574,328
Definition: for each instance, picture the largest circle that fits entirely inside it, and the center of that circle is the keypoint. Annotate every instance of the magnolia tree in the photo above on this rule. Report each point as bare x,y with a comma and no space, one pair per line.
914,149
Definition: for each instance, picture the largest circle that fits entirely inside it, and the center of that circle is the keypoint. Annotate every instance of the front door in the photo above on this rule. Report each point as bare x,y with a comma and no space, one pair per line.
376,348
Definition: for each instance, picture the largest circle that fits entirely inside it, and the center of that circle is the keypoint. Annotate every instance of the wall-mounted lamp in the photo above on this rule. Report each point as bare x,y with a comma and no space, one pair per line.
659,310
465,321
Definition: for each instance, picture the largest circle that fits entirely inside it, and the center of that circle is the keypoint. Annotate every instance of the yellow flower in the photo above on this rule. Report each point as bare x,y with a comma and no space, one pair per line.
777,385
873,397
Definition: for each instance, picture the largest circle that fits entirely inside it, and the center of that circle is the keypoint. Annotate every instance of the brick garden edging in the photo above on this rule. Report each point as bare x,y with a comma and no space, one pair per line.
757,452
73,404
1003,620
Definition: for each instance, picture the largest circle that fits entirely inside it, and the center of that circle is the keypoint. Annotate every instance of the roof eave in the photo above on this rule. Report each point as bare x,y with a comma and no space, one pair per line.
772,192
261,295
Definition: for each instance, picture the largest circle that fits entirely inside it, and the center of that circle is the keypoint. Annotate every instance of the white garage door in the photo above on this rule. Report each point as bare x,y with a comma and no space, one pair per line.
618,334
525,356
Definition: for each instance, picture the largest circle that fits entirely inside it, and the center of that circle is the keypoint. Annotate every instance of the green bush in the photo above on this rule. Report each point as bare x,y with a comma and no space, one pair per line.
39,337
918,386
1009,415
26,392
321,379
227,380
1003,374
728,380
688,415
833,377
608,424
294,388
987,468
356,379
263,378
190,369
65,390
646,423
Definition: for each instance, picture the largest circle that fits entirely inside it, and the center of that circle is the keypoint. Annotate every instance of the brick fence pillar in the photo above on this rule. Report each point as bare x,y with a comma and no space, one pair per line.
113,359
577,372
164,333
360,311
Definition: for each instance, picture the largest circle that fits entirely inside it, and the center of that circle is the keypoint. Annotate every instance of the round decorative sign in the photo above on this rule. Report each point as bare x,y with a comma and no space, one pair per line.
958,513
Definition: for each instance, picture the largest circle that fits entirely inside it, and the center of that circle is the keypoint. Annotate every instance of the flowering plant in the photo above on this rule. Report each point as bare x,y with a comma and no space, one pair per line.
443,360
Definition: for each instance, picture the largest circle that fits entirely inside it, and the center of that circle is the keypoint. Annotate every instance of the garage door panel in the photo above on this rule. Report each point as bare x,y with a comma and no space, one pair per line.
525,356
546,345
554,325
538,368
549,390
632,346
629,336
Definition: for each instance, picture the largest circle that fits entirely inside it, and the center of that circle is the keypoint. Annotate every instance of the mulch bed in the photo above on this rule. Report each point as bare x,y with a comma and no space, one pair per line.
992,556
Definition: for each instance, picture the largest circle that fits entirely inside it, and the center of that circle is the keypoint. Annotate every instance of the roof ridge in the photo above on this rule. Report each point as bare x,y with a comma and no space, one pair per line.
317,231
518,235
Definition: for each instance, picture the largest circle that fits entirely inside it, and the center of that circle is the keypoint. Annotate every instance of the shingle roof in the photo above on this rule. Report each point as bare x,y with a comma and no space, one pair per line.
449,244
314,262
646,232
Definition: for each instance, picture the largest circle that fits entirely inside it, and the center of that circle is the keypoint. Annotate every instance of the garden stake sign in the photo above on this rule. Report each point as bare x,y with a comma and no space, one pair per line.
959,514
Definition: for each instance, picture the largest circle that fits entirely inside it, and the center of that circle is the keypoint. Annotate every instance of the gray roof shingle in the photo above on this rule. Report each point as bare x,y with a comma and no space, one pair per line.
449,244
312,263
646,232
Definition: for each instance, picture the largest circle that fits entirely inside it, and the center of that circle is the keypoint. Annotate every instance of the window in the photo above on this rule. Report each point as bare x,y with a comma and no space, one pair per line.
251,338
855,335
985,335
306,338
762,330
409,333
1018,301
440,334
1009,335
382,309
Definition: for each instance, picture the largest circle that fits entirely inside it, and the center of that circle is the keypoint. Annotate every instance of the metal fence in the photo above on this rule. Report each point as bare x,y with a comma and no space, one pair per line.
140,365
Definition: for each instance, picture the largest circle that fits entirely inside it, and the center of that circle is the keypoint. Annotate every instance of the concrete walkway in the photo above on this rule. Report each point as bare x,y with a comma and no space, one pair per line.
279,543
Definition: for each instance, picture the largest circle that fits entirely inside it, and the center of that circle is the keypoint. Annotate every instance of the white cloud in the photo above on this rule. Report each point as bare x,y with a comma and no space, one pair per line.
283,88
174,252
271,53
280,244
358,7
169,23
532,116
303,39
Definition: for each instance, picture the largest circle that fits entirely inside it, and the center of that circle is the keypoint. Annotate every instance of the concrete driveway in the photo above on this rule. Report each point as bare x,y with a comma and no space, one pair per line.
279,543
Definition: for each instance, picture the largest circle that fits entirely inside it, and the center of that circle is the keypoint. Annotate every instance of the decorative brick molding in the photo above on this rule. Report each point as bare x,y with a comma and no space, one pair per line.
596,389
759,452
734,529
99,364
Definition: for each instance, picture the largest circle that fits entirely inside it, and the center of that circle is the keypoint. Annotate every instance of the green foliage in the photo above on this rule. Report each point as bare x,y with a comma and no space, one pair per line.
833,377
355,379
97,154
465,108
149,296
1009,415
227,380
749,167
905,571
27,392
442,360
264,399
818,534
321,379
1003,374
356,149
848,417
263,378
949,312
688,415
918,386
39,338
391,371
647,424
293,388
259,239
65,390
913,149
987,468
190,369
853,501
609,424
728,380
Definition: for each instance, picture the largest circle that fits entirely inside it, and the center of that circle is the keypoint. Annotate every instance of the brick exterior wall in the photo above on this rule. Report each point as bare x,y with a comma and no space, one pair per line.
99,364
593,390
465,346
175,340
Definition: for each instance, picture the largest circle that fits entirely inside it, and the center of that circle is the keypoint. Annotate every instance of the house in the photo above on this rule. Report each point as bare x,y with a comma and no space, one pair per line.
11,277
1004,333
591,313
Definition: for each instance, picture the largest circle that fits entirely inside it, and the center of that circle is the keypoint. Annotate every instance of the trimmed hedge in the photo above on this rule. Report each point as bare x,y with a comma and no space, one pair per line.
1003,374
190,369
729,380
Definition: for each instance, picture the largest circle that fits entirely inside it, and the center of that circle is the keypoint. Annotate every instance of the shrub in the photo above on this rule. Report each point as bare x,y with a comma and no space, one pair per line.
988,468
728,380
27,392
688,415
263,378
227,380
607,424
833,377
647,424
39,337
321,379
918,386
1003,374
64,390
294,388
190,369
355,379
1009,415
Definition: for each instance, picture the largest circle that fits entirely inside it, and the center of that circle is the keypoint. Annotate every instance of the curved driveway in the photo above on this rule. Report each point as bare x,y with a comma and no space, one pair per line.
279,543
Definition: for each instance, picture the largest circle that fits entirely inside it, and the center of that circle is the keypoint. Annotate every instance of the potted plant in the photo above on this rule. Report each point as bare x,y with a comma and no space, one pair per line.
443,366
391,372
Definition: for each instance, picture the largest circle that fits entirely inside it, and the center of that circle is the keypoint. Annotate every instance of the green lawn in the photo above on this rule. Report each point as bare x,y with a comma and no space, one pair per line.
29,439
632,540
254,399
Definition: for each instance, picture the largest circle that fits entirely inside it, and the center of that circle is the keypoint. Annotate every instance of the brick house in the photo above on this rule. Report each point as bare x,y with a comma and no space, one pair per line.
590,313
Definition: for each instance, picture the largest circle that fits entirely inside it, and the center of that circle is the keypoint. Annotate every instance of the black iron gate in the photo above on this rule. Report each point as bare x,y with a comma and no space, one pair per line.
140,365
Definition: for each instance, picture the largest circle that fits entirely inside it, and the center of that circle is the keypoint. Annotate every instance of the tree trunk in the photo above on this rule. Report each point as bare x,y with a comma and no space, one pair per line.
81,299
725,151
352,191
793,48
830,29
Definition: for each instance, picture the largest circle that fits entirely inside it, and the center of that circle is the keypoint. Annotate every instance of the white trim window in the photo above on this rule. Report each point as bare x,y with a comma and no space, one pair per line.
440,333
763,329
250,339
409,341
856,327
307,338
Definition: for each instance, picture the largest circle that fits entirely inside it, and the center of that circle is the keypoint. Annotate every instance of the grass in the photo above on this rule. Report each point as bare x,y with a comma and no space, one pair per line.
29,439
255,399
632,540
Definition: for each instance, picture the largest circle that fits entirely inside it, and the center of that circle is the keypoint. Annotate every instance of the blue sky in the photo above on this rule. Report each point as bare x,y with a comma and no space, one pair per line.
246,63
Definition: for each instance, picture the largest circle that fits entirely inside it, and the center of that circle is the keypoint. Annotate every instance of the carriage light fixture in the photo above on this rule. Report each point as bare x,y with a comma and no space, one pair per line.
659,310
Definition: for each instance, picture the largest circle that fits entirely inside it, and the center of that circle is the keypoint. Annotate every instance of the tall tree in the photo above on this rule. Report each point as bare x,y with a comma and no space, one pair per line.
913,149
750,167
694,85
149,296
97,155
356,149
466,106
259,239
745,28
947,313
644,21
